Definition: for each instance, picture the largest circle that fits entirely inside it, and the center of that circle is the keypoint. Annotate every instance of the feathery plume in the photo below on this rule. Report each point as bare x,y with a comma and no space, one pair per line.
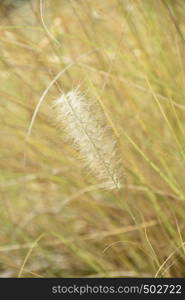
87,127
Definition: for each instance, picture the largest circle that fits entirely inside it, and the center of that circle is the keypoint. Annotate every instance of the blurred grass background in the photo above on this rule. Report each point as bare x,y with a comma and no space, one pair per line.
55,220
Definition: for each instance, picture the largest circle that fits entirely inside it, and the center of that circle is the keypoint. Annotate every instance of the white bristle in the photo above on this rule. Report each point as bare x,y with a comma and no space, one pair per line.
86,126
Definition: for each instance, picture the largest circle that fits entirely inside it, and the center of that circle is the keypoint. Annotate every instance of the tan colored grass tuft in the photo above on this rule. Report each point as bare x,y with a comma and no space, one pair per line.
87,127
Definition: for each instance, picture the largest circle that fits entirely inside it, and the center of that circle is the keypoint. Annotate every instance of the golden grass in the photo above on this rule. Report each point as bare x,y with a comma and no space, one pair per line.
56,220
